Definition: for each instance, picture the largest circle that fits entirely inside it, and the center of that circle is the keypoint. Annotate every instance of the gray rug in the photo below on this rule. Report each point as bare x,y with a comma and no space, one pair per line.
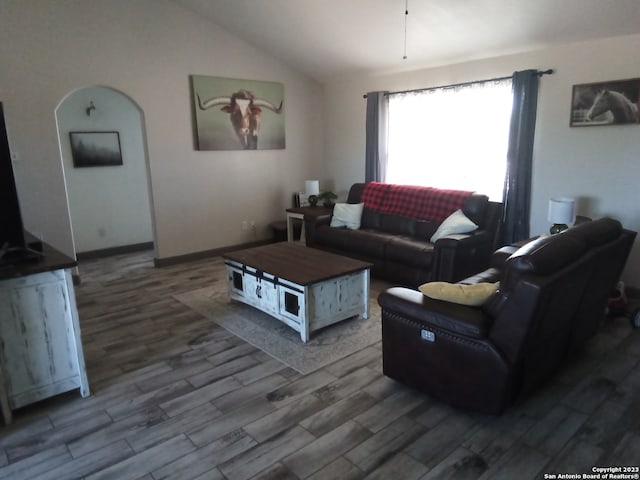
280,341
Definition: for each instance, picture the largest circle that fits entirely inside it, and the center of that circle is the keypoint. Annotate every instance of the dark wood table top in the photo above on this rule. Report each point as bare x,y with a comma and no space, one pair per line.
297,263
50,259
312,212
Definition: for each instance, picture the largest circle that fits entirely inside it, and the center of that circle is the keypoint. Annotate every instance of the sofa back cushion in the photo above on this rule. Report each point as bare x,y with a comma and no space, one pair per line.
542,257
420,203
425,229
370,219
597,232
355,193
397,224
475,207
374,194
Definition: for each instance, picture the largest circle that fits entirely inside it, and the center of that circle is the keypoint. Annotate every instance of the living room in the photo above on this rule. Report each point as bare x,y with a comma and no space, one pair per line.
199,200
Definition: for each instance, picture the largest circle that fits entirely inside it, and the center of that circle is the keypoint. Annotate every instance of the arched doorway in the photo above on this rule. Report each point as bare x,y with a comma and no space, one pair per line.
110,206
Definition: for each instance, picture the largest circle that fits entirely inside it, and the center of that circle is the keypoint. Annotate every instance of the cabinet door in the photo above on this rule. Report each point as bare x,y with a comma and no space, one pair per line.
260,292
251,290
267,292
235,281
37,348
292,307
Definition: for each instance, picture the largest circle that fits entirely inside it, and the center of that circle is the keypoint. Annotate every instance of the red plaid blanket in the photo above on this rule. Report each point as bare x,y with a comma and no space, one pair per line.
422,203
374,194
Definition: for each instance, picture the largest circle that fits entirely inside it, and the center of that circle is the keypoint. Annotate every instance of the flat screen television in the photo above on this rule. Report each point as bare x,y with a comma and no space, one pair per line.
12,236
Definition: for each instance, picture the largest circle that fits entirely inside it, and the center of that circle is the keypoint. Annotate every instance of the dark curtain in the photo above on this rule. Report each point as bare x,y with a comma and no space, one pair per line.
517,186
376,137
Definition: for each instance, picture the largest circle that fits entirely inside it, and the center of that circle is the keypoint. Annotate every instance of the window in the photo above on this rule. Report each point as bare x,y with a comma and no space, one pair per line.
453,138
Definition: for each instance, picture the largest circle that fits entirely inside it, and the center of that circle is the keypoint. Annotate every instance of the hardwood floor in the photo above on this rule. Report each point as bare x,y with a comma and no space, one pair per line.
176,397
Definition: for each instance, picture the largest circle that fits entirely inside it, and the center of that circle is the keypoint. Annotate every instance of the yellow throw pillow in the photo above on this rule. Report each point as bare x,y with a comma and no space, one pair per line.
472,295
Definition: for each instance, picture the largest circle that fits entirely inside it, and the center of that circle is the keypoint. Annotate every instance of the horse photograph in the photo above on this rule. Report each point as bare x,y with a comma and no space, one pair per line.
606,103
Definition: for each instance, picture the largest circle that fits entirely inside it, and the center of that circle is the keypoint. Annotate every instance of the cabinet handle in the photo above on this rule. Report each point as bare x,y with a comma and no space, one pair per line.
259,291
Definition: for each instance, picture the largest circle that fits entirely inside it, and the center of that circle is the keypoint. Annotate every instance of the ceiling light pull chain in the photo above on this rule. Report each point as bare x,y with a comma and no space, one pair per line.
406,14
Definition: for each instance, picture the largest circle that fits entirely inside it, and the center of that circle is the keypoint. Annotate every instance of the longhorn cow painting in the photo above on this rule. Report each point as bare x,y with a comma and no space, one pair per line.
232,114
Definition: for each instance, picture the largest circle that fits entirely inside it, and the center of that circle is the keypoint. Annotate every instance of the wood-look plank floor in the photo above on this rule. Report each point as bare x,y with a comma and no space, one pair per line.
176,397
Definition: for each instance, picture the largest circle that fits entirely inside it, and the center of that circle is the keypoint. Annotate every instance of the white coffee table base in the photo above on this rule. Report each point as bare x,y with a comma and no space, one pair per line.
305,308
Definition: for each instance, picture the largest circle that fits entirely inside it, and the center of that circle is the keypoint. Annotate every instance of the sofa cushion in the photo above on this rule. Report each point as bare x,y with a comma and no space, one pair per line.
476,207
473,295
347,215
422,203
410,251
374,195
546,254
370,218
367,243
397,224
355,193
425,228
457,222
410,303
542,257
597,232
425,203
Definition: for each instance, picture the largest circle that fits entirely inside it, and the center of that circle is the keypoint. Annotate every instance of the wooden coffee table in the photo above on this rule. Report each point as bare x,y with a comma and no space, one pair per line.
305,288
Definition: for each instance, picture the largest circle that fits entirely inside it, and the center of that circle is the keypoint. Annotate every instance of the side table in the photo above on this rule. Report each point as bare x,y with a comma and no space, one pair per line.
308,215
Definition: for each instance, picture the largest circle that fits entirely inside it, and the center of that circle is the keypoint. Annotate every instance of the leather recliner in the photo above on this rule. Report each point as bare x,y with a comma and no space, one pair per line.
552,297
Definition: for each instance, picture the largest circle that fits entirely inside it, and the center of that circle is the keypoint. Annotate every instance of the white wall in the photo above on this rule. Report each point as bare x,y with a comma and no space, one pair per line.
147,49
598,165
109,205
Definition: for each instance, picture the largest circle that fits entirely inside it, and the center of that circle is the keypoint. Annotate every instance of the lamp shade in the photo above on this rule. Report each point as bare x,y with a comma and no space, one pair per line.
312,187
561,210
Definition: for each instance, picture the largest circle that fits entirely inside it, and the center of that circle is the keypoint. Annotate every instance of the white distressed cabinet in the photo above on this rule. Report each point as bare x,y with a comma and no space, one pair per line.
40,345
305,308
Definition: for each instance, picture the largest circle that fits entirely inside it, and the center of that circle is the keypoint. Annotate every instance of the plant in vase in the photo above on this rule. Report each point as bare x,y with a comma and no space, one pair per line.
327,198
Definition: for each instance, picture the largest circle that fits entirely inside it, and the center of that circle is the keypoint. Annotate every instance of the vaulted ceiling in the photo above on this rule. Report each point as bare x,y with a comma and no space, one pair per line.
328,38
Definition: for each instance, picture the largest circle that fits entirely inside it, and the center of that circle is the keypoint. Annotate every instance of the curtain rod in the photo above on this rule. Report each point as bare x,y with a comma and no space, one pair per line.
463,84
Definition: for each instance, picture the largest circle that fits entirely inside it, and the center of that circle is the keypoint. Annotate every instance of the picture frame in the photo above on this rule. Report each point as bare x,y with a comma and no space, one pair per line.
615,102
95,149
237,114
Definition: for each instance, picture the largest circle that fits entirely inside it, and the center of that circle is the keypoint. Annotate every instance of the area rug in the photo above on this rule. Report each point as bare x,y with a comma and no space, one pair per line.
280,341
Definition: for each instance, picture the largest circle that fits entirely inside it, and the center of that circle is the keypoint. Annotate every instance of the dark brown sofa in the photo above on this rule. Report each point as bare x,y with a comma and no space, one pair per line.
552,297
398,246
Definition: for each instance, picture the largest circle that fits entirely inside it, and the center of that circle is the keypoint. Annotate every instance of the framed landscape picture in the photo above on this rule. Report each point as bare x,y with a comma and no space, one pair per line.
95,149
234,114
606,103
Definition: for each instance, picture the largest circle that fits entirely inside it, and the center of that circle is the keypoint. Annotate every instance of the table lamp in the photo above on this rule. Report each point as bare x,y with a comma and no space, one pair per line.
561,213
312,190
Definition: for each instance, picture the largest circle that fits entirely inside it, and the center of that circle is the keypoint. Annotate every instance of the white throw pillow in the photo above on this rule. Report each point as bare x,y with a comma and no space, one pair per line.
457,222
347,215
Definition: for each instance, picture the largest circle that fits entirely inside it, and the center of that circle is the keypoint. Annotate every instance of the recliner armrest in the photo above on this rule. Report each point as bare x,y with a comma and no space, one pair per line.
454,318
461,255
323,220
499,257
454,240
